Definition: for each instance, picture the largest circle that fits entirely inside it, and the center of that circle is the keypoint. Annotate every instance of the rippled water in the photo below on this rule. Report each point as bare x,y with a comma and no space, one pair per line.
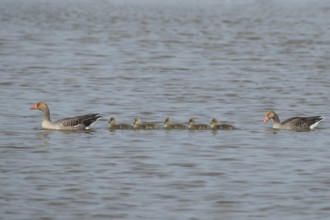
232,60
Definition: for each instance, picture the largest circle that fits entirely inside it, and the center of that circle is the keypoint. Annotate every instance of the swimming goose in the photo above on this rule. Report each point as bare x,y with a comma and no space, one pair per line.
168,124
81,122
147,126
295,123
215,125
193,126
113,125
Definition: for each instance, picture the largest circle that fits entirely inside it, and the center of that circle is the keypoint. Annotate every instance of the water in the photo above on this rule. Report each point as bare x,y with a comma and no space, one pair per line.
232,60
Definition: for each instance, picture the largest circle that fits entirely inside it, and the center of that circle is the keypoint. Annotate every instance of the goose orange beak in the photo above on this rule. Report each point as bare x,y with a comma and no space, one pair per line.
34,107
266,119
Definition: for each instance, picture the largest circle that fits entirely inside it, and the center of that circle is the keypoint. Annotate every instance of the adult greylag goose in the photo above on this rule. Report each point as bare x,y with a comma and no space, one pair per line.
147,126
294,123
81,122
215,125
193,126
168,124
113,125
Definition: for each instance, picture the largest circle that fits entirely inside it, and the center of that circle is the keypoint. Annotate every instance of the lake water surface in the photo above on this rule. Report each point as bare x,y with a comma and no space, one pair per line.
230,60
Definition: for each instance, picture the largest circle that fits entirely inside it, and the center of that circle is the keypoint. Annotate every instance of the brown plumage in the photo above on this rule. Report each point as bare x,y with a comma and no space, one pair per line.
294,123
81,122
193,126
113,125
168,124
147,126
215,125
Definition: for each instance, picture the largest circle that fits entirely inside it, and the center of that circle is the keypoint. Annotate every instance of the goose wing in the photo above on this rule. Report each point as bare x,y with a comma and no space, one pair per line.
81,121
302,123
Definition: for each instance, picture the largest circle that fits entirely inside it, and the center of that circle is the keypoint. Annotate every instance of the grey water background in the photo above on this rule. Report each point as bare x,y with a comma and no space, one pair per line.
231,60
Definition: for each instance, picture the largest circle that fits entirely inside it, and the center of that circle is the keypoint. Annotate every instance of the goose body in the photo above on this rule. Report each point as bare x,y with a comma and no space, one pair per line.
294,123
193,126
113,125
147,126
81,122
215,125
168,124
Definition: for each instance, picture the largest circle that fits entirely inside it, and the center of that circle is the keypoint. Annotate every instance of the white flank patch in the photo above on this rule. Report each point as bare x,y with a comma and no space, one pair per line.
316,124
